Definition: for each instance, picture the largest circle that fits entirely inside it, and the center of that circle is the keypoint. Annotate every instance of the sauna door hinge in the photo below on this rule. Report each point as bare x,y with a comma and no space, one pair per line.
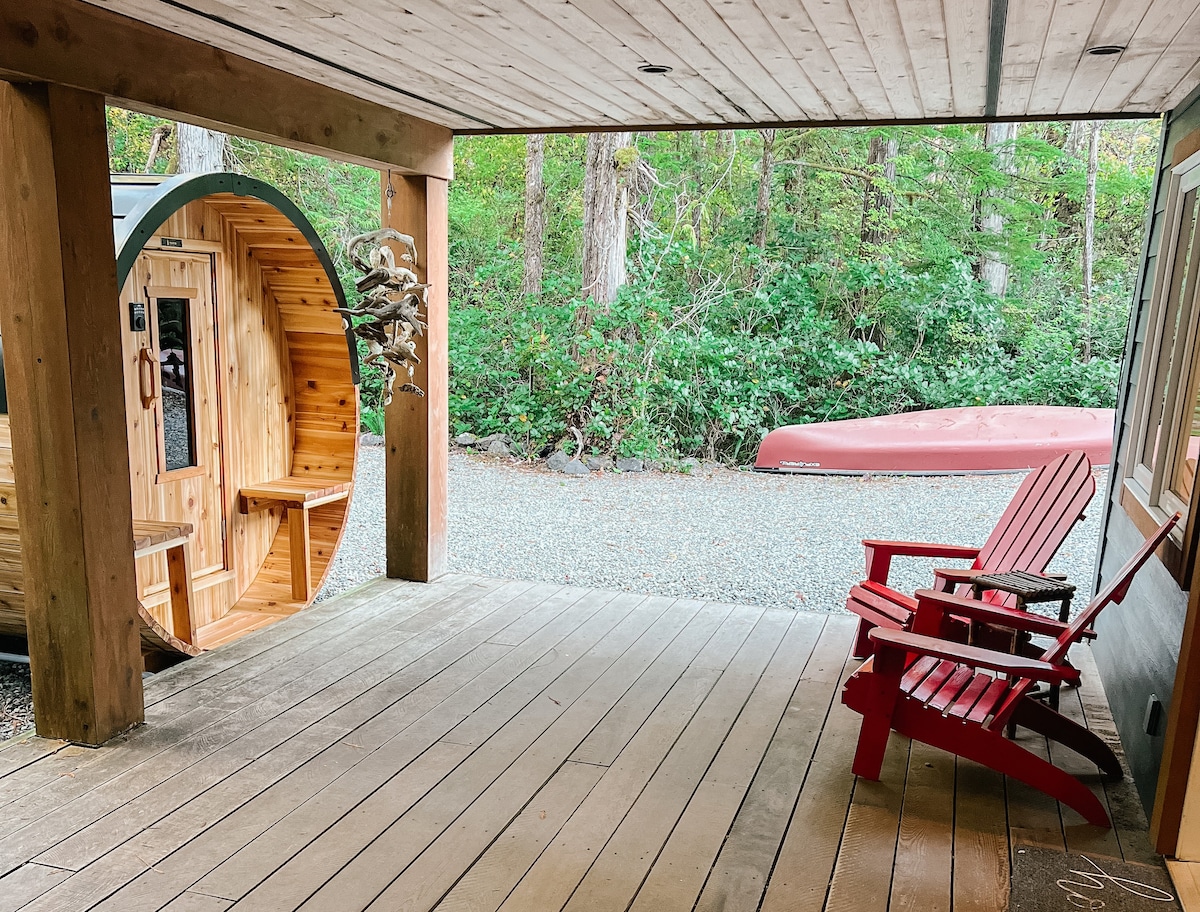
222,530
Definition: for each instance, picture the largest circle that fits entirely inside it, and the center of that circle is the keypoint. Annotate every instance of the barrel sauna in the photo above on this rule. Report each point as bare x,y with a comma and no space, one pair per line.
241,406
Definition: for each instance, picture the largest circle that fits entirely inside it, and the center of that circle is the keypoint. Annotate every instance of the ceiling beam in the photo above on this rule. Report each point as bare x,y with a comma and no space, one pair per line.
149,69
997,22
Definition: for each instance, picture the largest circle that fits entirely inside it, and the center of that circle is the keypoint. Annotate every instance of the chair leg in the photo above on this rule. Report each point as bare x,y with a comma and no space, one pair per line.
992,750
863,646
872,744
1042,719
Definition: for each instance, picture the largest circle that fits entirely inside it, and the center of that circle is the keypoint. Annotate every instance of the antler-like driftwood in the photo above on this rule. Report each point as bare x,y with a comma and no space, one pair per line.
391,298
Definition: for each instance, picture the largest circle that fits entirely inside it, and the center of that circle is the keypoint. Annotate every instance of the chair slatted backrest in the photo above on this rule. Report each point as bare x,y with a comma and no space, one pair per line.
1113,593
1044,510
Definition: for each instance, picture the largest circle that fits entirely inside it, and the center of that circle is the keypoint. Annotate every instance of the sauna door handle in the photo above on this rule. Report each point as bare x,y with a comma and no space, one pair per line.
146,376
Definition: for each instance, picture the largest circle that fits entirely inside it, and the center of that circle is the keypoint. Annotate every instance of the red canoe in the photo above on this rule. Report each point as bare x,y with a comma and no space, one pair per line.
997,438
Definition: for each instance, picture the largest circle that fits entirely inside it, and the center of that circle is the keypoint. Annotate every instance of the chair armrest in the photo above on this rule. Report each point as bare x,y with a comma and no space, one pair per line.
973,656
950,577
880,552
942,603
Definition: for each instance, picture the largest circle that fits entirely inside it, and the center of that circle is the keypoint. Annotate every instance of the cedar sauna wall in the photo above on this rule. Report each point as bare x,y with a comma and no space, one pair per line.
273,395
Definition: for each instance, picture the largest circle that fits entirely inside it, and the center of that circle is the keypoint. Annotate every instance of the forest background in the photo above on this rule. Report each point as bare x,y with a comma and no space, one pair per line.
668,295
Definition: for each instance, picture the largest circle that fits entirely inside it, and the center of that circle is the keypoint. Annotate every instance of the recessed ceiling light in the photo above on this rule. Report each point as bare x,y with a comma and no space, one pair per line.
654,69
1105,50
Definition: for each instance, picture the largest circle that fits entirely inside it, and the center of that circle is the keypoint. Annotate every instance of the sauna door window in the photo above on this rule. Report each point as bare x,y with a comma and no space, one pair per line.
178,412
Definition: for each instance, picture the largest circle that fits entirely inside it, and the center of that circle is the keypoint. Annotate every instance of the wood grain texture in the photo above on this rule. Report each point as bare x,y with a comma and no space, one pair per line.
417,427
70,42
70,458
419,747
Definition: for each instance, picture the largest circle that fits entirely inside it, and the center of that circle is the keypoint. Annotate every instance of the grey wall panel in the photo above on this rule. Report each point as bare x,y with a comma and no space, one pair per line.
1136,650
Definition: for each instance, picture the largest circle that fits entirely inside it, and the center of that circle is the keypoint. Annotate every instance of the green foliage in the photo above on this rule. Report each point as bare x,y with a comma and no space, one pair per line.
714,342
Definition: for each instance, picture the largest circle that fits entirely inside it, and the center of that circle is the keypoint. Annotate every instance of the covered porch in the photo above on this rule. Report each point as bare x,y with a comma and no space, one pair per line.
487,744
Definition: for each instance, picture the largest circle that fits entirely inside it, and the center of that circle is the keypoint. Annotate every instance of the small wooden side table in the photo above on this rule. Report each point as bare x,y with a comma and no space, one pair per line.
1029,589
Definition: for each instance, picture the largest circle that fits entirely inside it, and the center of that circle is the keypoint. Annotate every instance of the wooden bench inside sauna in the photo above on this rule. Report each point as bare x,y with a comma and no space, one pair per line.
241,406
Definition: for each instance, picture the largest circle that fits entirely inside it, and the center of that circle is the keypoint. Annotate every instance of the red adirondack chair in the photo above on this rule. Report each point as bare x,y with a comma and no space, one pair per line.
1047,505
961,698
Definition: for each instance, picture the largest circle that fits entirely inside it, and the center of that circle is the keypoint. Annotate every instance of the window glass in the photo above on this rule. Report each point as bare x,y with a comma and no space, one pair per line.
175,367
1179,306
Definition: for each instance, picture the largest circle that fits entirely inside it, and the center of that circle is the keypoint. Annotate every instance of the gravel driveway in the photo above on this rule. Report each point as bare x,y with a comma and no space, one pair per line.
790,541
784,541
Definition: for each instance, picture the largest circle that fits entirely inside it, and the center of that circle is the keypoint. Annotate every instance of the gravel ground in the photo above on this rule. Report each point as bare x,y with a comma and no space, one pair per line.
785,541
782,541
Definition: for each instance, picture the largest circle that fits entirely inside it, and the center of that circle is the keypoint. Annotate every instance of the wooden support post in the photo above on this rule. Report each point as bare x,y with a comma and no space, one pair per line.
59,318
301,552
417,429
179,575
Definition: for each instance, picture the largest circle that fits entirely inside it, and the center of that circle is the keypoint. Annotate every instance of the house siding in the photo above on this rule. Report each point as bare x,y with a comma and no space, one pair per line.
1138,645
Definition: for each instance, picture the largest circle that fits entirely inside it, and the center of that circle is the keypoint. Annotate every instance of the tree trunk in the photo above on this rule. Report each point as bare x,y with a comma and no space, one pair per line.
762,210
605,199
199,150
993,271
160,135
535,215
1089,233
878,200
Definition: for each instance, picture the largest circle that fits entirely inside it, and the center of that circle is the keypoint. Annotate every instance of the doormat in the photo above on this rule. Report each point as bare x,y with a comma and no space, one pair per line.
1047,881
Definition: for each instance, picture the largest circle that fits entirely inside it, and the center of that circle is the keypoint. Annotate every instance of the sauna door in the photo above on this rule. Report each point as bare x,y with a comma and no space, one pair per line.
175,456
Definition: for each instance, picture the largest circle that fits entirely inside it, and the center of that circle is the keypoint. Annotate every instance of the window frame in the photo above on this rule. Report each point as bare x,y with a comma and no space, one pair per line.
188,296
1169,373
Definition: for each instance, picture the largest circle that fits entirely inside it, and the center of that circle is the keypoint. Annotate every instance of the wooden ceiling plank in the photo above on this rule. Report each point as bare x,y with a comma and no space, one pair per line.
599,57
511,53
350,40
74,44
800,37
924,29
184,24
1169,71
838,28
740,30
520,102
698,20
662,23
967,48
1116,24
681,87
1186,86
1165,23
1071,28
882,31
1024,39
624,29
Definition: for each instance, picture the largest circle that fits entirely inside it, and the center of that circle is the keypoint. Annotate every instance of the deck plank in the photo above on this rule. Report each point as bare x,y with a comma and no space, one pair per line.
476,745
925,850
981,859
618,872
526,752
431,876
550,882
207,716
119,809
739,877
359,763
684,865
341,837
862,877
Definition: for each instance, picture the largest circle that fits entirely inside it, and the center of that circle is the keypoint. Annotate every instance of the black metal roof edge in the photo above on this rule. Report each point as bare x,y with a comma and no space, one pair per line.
144,220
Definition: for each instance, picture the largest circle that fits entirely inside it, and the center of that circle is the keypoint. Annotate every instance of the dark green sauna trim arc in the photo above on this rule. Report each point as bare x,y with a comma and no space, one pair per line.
165,199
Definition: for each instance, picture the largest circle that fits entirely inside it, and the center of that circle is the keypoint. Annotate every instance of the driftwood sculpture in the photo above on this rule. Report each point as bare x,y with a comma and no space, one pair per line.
391,298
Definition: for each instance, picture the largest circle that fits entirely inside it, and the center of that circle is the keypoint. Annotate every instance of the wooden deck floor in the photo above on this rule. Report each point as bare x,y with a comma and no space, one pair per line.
478,744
